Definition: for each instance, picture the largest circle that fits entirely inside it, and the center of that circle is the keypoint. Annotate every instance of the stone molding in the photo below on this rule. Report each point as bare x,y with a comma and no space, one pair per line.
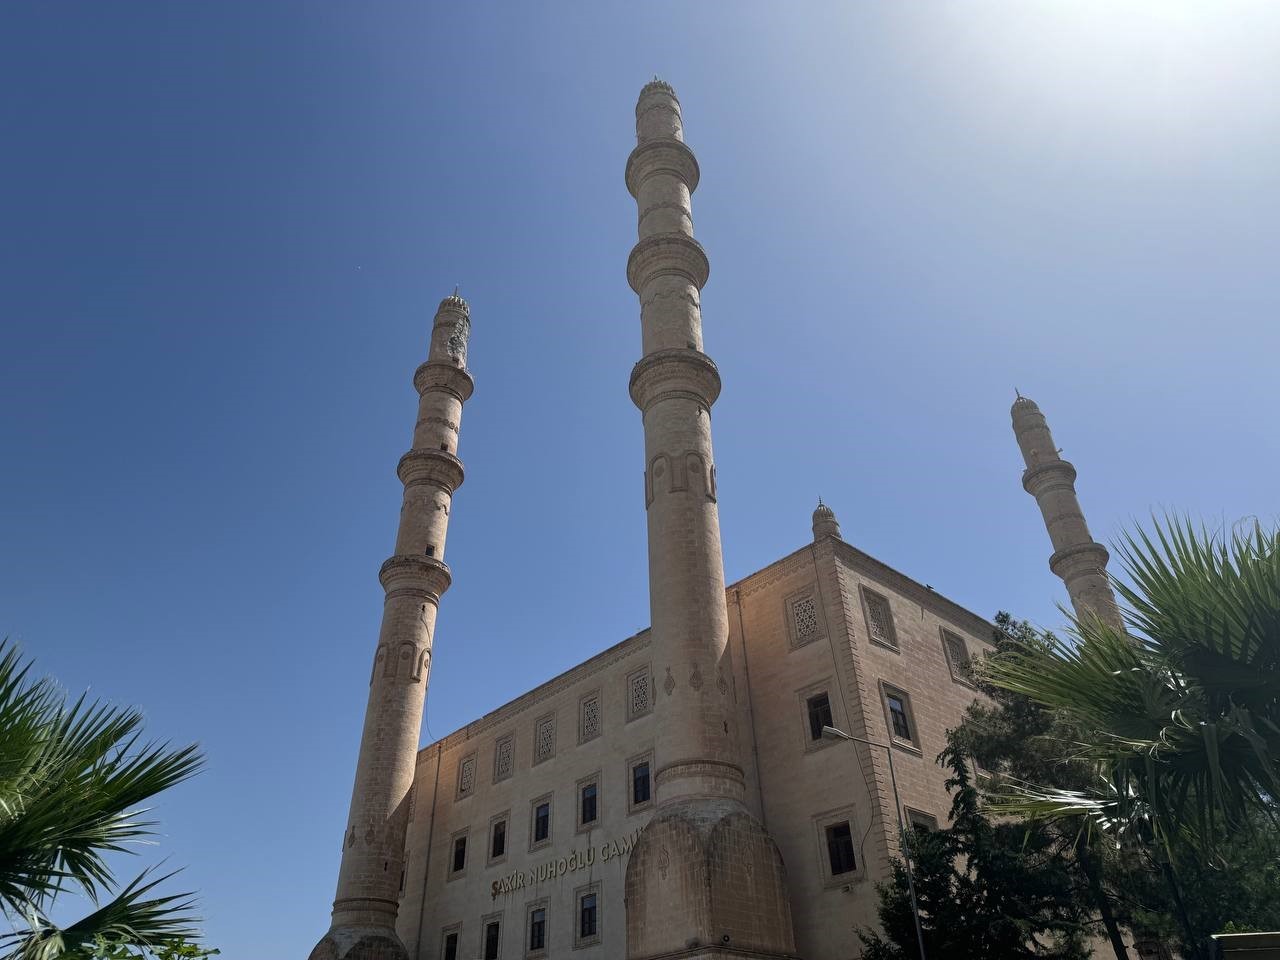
425,574
1077,556
676,372
436,467
667,254
700,767
436,375
665,156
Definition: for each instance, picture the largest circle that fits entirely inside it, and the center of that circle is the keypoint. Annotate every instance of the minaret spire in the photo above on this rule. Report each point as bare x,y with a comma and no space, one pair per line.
414,578
699,776
1077,558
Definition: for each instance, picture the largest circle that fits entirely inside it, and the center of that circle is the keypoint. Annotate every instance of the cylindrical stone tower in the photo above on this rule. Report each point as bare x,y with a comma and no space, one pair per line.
369,879
825,523
704,874
1077,559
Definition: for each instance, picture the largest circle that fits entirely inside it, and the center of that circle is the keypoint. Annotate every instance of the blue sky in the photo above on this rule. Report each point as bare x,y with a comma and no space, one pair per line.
227,227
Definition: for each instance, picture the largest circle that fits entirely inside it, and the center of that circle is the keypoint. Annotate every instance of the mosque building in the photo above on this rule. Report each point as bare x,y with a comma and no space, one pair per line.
674,796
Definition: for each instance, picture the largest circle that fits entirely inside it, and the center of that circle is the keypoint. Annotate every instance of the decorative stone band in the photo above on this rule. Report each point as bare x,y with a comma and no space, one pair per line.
436,467
426,575
667,255
719,778
1080,558
666,156
434,375
1046,476
665,374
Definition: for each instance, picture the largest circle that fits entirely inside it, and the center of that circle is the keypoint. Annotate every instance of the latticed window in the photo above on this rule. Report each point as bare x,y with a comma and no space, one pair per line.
804,620
544,739
503,758
957,655
589,719
466,776
879,619
639,699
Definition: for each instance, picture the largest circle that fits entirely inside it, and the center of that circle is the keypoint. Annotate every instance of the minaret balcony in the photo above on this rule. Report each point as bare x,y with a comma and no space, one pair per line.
422,576
667,254
438,375
436,467
674,373
666,156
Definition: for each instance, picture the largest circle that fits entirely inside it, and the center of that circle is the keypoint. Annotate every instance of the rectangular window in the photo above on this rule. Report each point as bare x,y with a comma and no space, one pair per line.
840,848
541,822
538,929
544,738
451,946
589,718
587,916
459,854
639,688
819,708
640,783
921,821
879,619
498,840
898,716
492,937
589,794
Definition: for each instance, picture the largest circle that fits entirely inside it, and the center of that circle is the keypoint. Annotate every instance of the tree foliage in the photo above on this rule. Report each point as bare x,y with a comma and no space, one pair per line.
73,778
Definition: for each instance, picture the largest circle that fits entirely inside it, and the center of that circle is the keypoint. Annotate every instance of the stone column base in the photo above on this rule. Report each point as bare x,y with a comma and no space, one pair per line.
360,943
705,880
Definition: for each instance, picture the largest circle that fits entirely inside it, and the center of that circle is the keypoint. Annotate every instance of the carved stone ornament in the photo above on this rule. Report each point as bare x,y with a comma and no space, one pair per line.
695,678
669,684
722,685
458,340
664,863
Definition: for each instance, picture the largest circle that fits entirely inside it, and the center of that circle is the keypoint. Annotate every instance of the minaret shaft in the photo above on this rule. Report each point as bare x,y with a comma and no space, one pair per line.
702,833
414,578
1077,558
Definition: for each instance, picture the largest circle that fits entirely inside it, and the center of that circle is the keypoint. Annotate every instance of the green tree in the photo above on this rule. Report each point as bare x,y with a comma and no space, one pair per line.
73,777
1177,721
985,889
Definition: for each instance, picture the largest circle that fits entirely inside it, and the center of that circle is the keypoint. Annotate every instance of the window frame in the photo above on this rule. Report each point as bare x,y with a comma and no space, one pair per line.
537,725
504,818
914,818
794,641
582,704
485,922
632,763
458,793
579,941
868,595
452,930
533,821
825,686
646,670
832,818
509,737
465,836
959,674
912,744
589,781
530,909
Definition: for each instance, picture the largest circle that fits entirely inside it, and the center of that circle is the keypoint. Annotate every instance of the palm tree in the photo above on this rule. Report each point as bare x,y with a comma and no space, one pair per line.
1179,718
72,778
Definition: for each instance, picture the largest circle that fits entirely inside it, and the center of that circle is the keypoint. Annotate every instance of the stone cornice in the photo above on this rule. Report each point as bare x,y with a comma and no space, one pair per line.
1089,554
666,156
437,467
667,254
424,575
436,375
538,695
680,372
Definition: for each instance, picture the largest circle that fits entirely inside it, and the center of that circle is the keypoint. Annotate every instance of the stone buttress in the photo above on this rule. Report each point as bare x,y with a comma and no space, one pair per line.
705,879
1077,558
369,878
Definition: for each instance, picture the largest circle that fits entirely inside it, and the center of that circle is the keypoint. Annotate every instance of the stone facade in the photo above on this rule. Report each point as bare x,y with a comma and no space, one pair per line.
797,629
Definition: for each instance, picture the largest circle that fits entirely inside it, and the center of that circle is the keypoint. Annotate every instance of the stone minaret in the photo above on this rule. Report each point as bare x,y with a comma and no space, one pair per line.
1077,559
825,523
704,875
364,911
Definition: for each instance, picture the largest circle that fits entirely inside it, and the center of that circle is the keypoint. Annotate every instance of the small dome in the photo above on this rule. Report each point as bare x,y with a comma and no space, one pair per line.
1023,405
824,522
455,302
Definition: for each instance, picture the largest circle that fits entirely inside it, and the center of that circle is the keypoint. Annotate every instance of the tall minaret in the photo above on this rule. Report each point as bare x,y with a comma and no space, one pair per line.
364,911
1077,559
704,873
